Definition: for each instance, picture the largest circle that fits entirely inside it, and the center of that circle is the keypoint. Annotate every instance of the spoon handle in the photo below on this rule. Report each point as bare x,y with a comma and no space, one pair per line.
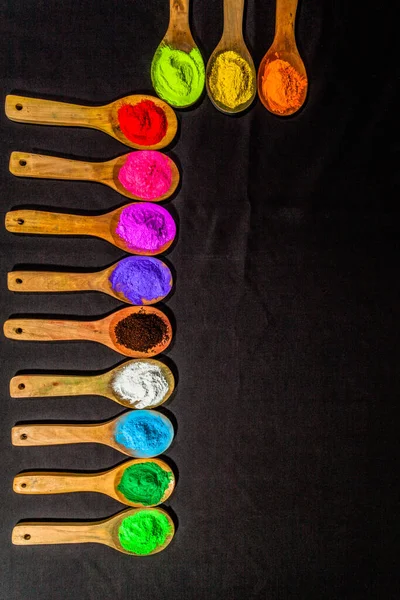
49,330
49,281
25,164
49,112
50,386
285,18
48,223
56,482
178,16
54,435
36,533
233,20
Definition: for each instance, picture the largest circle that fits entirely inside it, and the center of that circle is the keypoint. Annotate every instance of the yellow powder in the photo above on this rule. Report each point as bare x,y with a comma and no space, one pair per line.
231,80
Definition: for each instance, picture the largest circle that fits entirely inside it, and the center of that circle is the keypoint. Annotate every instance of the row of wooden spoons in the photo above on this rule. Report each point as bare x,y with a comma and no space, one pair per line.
116,433
179,37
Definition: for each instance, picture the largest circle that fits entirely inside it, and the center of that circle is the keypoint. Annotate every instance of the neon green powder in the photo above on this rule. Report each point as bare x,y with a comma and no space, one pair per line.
178,77
144,531
144,483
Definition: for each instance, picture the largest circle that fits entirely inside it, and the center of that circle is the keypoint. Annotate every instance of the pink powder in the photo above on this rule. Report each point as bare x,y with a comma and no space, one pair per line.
146,174
145,227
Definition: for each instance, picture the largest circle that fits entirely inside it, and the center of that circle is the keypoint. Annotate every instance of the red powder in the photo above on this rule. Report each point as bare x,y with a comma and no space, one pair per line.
143,123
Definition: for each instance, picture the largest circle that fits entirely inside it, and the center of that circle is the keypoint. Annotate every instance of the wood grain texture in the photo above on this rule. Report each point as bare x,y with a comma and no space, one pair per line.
24,164
232,39
44,386
100,532
285,48
233,22
49,223
178,33
101,331
55,435
106,482
53,281
36,434
103,118
62,282
35,386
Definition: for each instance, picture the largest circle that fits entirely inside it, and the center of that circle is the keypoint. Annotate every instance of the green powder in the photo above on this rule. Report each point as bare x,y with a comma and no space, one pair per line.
144,531
144,483
178,77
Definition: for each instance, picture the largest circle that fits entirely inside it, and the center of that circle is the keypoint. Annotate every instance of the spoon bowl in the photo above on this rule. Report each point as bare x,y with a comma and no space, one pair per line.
232,40
107,281
283,48
25,164
191,70
107,482
102,331
105,531
105,226
130,433
51,386
103,118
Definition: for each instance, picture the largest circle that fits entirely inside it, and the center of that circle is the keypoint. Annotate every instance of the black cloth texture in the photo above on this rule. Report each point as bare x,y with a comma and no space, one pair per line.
285,308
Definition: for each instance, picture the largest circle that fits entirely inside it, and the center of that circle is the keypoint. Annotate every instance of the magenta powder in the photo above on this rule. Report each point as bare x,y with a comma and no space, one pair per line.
146,174
145,227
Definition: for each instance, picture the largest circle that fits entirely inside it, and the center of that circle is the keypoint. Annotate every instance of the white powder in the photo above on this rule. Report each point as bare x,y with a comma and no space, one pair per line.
142,384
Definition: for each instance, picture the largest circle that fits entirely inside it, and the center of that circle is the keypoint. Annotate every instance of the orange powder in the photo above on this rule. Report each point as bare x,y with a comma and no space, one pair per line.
283,86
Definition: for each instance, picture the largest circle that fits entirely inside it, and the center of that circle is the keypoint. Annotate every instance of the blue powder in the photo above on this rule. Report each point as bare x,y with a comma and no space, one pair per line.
145,433
141,278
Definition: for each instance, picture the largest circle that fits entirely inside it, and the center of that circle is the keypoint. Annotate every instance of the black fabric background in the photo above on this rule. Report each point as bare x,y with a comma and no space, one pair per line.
285,303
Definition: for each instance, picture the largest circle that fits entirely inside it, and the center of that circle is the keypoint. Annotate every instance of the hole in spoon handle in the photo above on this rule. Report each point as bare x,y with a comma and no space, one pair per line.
53,483
52,167
47,112
48,223
54,435
34,533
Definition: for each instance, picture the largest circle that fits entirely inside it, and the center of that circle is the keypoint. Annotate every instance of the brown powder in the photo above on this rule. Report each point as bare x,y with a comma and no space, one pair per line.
141,331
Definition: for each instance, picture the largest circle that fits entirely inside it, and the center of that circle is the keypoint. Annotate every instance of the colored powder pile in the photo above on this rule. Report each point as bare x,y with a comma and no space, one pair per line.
146,174
283,86
143,123
231,79
141,279
144,531
141,331
144,483
146,227
145,433
142,384
178,77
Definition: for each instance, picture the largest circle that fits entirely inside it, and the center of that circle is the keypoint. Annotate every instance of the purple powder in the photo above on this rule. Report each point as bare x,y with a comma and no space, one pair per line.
146,174
145,227
141,278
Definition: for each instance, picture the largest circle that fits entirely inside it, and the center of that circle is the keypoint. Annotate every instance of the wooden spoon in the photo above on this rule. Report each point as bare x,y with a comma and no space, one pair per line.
284,48
232,39
104,118
98,281
58,482
101,331
179,35
97,433
25,164
101,226
100,532
40,386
